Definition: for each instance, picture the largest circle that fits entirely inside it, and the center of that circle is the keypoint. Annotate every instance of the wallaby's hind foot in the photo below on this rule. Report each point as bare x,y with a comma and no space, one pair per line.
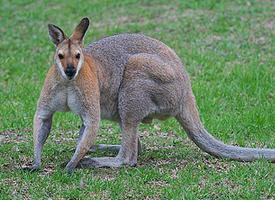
100,162
105,147
112,147
108,162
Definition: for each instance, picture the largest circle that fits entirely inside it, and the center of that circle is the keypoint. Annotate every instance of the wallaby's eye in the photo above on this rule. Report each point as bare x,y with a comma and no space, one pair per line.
77,56
60,56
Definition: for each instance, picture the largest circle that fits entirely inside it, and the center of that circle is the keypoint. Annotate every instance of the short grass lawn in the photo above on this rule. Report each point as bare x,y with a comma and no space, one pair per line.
226,46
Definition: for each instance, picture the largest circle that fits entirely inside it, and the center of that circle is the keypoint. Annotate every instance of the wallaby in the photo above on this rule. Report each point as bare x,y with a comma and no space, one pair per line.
128,78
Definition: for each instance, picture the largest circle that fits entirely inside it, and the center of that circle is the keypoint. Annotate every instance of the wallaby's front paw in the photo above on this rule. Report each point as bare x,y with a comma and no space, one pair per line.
64,164
31,168
69,168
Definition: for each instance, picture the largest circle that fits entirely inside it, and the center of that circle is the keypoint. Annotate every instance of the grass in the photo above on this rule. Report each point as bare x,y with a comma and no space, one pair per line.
228,50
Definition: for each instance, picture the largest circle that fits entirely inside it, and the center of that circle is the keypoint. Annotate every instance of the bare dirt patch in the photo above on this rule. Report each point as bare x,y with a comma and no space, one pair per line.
158,183
217,164
106,174
14,136
270,24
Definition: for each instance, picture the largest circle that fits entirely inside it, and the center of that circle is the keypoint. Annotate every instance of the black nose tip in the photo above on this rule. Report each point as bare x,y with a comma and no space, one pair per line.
70,71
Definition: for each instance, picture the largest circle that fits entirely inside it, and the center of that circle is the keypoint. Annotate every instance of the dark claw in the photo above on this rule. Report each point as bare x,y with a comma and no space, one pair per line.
69,171
133,164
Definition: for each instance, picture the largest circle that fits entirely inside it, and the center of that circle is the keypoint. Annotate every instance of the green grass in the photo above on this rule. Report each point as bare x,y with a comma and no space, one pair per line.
228,50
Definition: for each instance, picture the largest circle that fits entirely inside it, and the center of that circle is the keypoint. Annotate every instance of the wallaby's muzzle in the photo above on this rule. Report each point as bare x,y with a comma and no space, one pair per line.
70,71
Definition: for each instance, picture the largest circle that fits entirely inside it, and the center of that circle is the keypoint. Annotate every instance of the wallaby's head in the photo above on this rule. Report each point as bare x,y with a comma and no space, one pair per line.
69,56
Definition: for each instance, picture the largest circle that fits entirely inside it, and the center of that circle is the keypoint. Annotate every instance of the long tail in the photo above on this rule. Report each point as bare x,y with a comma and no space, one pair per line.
189,119
214,147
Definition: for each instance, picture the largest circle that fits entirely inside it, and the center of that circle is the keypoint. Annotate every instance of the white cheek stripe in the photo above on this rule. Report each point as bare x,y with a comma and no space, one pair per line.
79,66
60,68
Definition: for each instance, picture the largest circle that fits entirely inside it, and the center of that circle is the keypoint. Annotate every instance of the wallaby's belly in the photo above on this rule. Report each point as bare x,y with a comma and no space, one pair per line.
110,114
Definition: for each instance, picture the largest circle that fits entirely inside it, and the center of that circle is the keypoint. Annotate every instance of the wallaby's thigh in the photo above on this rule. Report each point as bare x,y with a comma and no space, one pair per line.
150,87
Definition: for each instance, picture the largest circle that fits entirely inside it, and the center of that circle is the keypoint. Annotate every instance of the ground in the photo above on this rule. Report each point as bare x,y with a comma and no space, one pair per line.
226,46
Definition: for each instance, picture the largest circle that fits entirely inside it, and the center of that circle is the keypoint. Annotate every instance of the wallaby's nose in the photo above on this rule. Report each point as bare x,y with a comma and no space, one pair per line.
70,71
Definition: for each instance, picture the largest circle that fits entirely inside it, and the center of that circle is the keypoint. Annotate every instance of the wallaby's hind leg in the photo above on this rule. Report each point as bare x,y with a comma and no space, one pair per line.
132,110
105,147
127,154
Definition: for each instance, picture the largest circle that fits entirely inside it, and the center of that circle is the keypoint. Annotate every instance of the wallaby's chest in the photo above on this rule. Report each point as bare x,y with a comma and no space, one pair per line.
74,100
66,99
70,98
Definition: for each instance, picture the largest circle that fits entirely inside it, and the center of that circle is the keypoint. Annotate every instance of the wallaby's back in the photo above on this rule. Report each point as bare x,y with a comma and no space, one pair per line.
114,50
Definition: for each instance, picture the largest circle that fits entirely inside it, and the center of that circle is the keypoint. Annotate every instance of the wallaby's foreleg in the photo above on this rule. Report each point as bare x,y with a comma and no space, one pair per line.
41,130
103,147
81,131
85,143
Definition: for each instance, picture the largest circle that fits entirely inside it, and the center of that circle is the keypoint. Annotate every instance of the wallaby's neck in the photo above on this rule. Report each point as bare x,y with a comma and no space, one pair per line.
95,68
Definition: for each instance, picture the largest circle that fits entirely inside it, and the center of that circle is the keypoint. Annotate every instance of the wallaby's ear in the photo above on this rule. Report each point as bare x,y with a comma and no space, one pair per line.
56,34
80,30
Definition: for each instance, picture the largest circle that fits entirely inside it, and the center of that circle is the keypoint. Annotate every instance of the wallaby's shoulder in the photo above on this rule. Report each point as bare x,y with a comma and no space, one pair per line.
52,77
